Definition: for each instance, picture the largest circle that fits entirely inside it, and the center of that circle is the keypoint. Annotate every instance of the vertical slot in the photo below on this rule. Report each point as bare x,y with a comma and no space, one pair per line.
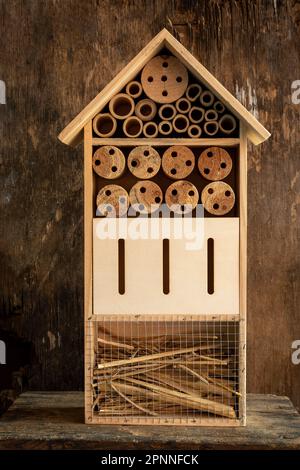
210,266
166,266
121,265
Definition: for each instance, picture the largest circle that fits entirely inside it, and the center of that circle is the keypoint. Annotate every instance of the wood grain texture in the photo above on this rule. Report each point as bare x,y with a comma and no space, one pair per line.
57,59
56,422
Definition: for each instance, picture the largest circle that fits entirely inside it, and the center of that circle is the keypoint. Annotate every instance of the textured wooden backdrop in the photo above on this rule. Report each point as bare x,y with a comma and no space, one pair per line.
55,57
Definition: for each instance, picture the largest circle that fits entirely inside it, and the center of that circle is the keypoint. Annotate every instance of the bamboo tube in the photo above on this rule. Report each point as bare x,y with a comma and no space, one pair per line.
211,128
180,123
165,127
145,197
134,89
146,109
164,79
104,125
214,163
194,131
227,124
182,197
109,162
112,201
167,112
121,106
150,357
211,115
150,129
218,198
219,107
206,98
132,126
183,105
178,162
196,114
193,91
144,162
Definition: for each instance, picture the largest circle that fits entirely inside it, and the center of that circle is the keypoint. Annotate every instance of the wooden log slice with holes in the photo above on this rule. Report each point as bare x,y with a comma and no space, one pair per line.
112,201
164,79
109,162
182,197
214,163
178,162
218,198
144,162
145,197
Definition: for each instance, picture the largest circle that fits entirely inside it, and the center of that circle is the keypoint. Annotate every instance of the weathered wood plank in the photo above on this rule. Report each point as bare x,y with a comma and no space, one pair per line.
45,420
55,57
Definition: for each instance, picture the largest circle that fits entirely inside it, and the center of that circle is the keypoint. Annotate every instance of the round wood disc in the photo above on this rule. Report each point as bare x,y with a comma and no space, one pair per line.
164,79
178,162
182,197
215,163
145,197
109,162
112,201
144,162
218,198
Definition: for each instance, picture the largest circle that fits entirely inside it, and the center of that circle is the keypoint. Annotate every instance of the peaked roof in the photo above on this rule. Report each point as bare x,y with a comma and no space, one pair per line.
72,134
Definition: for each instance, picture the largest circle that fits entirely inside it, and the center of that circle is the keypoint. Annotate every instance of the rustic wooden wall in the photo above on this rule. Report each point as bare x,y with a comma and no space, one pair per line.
55,56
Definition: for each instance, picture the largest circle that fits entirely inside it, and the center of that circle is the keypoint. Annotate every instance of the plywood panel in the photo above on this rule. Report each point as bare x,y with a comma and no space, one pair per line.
188,269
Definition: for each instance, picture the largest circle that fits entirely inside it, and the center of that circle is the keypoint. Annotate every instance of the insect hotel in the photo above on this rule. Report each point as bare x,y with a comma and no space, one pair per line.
165,324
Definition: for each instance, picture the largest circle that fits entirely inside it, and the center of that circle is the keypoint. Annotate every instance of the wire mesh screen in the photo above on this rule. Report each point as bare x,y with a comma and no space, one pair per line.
164,371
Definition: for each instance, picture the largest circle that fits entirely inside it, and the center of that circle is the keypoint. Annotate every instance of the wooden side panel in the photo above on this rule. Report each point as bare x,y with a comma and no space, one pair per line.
88,261
243,270
188,272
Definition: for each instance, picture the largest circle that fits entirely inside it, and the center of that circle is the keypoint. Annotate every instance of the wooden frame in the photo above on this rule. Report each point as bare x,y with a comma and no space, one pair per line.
249,128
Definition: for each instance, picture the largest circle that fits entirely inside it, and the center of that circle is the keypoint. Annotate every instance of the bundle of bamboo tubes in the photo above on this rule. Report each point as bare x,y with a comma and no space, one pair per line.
162,101
164,375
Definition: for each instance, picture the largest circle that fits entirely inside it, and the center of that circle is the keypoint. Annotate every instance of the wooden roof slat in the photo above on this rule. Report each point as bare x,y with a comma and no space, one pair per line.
72,133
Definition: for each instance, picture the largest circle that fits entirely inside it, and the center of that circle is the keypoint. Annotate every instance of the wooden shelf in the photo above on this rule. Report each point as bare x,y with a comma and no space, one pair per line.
223,142
57,422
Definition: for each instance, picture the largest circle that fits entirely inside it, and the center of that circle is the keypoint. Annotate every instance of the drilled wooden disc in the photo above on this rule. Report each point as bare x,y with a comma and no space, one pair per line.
182,197
144,162
178,162
215,163
164,79
109,162
218,198
112,201
145,197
